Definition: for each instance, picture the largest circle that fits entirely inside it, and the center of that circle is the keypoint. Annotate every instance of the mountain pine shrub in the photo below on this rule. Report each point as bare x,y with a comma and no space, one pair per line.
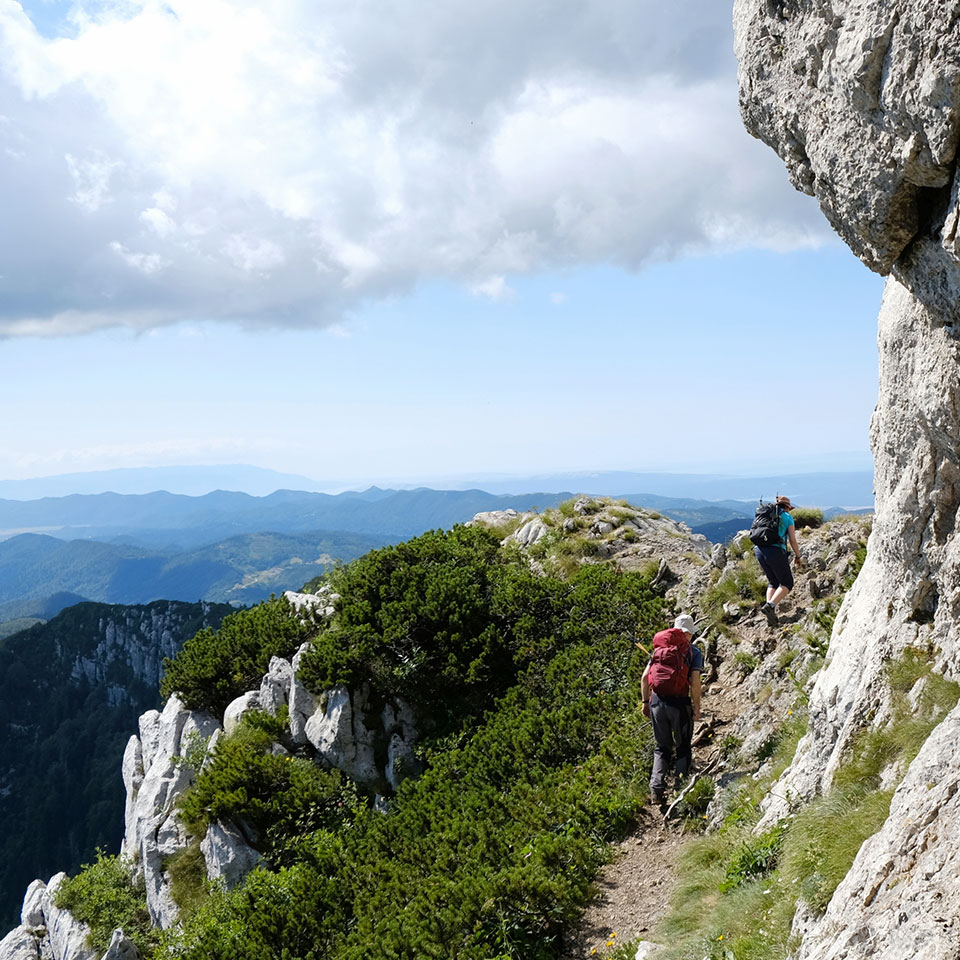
539,756
216,666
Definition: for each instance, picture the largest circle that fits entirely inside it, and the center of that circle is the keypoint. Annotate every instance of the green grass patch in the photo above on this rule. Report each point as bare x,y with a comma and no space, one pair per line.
738,892
741,580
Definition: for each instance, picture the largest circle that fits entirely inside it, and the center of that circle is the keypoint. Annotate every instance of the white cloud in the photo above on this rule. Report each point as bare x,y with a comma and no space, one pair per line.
162,224
148,263
494,288
557,298
309,157
91,179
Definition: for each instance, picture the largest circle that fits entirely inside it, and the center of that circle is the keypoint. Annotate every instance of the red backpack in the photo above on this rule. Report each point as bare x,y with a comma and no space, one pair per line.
669,674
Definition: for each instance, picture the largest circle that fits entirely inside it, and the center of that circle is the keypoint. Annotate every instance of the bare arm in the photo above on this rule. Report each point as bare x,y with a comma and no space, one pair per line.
645,690
792,534
695,693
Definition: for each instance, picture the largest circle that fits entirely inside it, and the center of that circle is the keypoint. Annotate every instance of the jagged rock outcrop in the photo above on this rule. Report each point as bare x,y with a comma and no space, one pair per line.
862,101
46,930
154,775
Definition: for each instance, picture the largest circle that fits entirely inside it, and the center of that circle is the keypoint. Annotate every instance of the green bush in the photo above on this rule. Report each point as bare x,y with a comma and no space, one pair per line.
492,851
279,798
104,896
445,620
810,517
216,666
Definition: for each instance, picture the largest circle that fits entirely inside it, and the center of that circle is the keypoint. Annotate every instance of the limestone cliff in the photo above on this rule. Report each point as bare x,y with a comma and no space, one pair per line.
861,99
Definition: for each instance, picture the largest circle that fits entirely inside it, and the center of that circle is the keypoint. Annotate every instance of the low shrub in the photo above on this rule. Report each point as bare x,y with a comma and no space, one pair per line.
216,666
811,517
104,896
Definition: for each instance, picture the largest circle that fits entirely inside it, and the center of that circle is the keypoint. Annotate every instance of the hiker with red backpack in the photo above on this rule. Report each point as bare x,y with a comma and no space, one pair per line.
772,526
670,688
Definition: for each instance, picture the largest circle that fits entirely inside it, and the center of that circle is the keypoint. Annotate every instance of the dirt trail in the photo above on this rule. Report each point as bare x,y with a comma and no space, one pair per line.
635,889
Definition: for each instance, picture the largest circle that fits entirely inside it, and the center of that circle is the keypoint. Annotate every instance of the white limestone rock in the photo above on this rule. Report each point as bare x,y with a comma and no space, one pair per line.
400,729
861,99
67,936
341,738
901,897
228,856
20,944
237,708
31,914
153,831
121,948
311,606
275,686
496,518
529,533
303,704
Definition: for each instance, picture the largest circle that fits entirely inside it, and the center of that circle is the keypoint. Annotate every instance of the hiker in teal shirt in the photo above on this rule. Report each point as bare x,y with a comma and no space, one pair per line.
775,561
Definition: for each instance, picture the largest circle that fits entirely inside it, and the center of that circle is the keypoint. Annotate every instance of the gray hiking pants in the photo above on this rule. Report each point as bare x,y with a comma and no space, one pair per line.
673,731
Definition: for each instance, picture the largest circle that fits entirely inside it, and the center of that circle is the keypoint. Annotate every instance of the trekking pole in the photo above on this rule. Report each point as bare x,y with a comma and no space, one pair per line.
716,759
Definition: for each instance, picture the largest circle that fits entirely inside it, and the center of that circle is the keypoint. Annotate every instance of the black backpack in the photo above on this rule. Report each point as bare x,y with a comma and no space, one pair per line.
765,531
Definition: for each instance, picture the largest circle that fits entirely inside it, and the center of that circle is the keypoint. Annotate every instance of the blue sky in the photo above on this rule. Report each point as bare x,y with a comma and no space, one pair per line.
363,246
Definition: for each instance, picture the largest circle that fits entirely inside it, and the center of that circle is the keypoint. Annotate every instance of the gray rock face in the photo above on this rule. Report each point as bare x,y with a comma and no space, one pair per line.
275,686
237,708
66,937
861,98
121,948
346,733
902,895
228,856
154,777
303,704
19,944
31,915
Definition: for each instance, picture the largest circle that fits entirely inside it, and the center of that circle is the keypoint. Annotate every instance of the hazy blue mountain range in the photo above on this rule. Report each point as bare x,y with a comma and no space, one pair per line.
41,575
192,481
174,521
847,483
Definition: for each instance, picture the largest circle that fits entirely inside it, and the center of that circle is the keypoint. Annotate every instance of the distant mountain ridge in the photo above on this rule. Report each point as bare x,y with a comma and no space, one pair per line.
847,482
41,575
166,520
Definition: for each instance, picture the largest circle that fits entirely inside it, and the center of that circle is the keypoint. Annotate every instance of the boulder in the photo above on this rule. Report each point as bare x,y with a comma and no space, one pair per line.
228,856
67,936
20,944
528,534
31,914
275,686
237,708
718,556
121,948
495,518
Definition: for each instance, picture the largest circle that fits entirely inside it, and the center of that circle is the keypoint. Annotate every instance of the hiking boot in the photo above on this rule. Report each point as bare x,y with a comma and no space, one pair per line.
658,797
770,612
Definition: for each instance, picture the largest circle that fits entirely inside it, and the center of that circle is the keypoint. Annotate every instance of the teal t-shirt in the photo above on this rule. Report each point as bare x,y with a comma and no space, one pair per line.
786,522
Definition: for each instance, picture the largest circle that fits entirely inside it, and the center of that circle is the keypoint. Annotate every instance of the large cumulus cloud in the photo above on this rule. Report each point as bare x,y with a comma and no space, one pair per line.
279,163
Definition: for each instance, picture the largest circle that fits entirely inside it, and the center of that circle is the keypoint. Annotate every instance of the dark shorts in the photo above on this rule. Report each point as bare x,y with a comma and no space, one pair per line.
776,566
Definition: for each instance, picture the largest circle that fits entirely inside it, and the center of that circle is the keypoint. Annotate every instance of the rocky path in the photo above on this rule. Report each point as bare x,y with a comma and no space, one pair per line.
635,889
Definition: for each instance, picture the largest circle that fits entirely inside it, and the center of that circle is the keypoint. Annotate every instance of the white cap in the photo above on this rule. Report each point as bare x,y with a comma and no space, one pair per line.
685,622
